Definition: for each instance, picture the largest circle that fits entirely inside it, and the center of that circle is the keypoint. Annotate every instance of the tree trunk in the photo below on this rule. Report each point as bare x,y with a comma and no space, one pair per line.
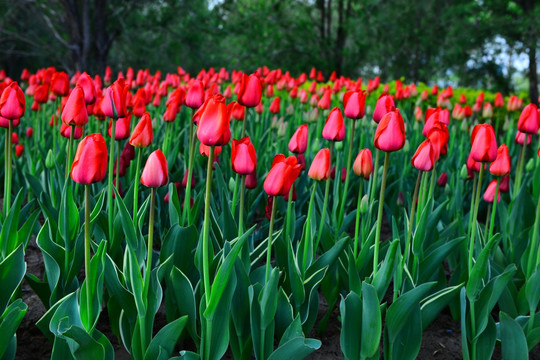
533,75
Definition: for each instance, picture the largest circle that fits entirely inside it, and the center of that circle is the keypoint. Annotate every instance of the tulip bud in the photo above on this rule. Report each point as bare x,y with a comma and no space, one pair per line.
232,185
19,149
400,199
49,160
443,179
530,165
339,145
364,204
463,173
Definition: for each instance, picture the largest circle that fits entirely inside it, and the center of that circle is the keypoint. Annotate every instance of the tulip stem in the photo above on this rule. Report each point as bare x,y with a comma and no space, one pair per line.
375,173
7,186
357,225
380,215
475,215
534,242
346,187
519,172
244,125
411,219
325,205
206,228
494,209
241,210
191,154
136,188
471,210
150,248
269,245
110,205
87,240
70,145
307,237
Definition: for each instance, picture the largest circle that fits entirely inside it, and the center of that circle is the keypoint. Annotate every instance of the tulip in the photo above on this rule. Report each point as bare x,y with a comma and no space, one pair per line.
12,102
142,135
390,133
90,163
19,149
251,181
238,112
354,103
156,171
195,95
499,101
250,90
114,103
87,84
123,127
363,165
299,140
424,157
60,84
275,106
66,130
501,165
243,156
325,102
528,120
385,104
213,121
334,128
29,132
74,112
320,167
489,195
520,138
484,144
282,175
442,180
170,113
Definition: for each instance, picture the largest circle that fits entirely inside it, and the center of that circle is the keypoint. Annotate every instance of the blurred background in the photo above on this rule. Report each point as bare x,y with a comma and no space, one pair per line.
475,43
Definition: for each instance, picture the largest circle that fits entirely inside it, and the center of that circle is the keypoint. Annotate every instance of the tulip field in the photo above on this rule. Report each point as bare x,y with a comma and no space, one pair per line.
244,215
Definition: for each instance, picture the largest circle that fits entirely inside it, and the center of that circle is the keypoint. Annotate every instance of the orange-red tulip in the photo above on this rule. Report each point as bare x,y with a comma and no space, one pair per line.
501,165
299,140
363,164
320,167
142,135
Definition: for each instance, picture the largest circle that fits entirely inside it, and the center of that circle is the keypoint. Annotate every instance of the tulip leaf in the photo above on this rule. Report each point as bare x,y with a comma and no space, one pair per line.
12,270
384,275
9,322
68,219
165,340
513,340
371,321
90,311
480,268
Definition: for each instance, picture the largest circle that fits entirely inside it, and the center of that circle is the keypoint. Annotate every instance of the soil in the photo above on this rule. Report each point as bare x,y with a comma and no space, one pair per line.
441,340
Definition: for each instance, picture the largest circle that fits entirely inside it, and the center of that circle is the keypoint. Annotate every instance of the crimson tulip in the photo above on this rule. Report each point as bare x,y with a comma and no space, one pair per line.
334,129
354,103
320,167
90,163
12,102
384,105
213,119
243,156
156,171
74,112
390,133
65,131
250,90
299,140
363,164
87,84
122,127
484,143
489,195
195,95
424,157
275,106
142,135
114,104
282,175
528,120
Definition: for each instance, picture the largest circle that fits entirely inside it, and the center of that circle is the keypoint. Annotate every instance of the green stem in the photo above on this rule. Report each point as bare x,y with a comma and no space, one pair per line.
357,224
325,205
136,188
206,228
519,172
70,145
269,245
150,244
307,236
471,210
475,215
87,240
411,219
375,173
347,176
110,205
380,215
494,210
534,241
187,197
241,210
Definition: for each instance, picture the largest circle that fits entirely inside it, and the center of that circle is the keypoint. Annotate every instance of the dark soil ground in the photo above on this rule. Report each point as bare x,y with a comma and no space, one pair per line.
441,340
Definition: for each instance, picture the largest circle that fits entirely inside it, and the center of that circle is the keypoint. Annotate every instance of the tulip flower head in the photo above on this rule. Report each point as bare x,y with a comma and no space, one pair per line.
384,105
243,156
390,133
299,140
213,119
354,103
156,171
74,112
363,164
90,163
320,167
282,175
142,135
334,129
12,102
528,120
424,157
484,143
250,92
489,195
502,164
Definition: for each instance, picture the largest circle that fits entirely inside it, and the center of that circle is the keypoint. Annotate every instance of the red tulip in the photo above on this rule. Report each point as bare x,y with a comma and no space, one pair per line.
354,103
520,138
325,101
195,95
238,112
14,138
504,186
424,157
12,102
251,180
499,101
29,132
156,171
87,84
60,84
320,167
185,179
170,113
528,120
489,195
250,90
204,150
299,140
442,180
213,119
334,129
42,94
390,133
282,175
462,99
74,112
275,106
484,144
122,127
384,105
142,135
65,131
501,165
19,149
363,164
90,163
115,98
438,136
243,156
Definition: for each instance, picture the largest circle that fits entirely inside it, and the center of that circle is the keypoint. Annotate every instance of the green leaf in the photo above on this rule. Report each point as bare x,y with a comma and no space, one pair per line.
68,217
384,275
90,311
371,321
131,234
268,299
8,233
513,340
175,214
9,322
97,207
165,340
12,270
432,305
480,268
185,298
295,349
532,290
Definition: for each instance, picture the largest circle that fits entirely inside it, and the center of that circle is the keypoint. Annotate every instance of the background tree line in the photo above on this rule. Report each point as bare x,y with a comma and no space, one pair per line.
421,40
